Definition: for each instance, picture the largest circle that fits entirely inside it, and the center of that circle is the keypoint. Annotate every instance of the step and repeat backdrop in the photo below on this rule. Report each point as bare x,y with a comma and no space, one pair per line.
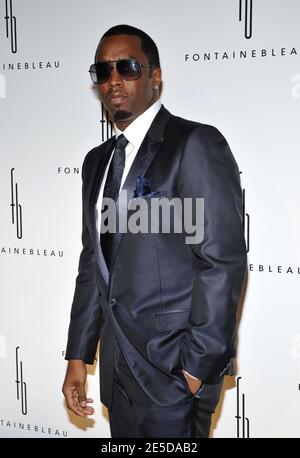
234,64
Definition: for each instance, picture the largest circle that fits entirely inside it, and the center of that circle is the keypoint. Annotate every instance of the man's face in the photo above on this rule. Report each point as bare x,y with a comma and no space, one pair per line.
126,100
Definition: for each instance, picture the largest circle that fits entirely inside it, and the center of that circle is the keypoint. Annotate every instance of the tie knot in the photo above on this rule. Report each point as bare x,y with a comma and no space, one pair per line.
121,141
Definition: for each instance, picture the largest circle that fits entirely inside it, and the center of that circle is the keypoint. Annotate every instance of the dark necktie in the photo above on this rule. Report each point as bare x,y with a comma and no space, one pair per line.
111,190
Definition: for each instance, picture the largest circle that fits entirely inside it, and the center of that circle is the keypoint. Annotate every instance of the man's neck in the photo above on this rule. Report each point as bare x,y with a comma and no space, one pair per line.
121,125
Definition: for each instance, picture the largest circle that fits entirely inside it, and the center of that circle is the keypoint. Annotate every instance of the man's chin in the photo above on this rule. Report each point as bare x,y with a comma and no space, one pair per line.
121,115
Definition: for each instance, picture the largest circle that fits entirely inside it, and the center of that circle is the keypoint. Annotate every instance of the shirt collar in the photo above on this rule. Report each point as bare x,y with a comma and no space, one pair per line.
137,130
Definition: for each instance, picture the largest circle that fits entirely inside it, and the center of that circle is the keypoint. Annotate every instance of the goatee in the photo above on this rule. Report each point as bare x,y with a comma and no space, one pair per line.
121,115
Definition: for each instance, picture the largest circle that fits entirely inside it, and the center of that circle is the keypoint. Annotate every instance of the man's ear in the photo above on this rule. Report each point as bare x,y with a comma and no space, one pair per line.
156,78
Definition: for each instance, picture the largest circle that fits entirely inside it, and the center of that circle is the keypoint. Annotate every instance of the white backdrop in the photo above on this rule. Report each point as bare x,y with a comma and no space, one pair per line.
247,84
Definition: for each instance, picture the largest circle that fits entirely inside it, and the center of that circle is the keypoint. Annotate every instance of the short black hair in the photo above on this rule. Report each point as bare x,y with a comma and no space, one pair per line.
148,46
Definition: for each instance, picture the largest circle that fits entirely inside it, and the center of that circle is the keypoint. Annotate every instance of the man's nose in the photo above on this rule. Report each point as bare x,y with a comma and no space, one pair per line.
115,77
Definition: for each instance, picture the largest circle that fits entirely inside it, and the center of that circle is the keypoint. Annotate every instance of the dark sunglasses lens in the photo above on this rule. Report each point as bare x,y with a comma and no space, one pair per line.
100,72
129,69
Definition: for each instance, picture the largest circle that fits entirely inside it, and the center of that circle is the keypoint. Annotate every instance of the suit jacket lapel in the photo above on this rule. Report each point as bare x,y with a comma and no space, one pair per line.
95,180
149,147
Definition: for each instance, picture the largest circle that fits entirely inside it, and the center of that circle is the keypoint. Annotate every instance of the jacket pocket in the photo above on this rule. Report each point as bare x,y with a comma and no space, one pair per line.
167,321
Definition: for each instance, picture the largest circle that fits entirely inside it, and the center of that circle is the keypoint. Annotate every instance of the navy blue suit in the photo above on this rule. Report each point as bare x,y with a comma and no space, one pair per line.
164,305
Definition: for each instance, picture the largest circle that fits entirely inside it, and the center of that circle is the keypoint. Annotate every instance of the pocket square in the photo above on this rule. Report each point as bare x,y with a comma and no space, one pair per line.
143,188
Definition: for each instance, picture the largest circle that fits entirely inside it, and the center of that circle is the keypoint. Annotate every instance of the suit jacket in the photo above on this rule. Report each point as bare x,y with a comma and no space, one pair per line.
169,305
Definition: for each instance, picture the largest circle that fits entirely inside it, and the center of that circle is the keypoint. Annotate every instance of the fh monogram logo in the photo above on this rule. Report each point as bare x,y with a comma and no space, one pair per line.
106,125
246,15
240,414
246,222
11,25
16,208
21,385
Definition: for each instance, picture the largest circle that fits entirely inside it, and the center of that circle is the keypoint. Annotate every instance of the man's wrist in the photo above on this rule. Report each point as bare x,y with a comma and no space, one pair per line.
192,376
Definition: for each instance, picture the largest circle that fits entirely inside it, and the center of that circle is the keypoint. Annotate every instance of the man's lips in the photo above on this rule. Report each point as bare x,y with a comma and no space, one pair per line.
117,97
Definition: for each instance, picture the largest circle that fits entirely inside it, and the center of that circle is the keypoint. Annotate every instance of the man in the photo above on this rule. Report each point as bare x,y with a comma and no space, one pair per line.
164,310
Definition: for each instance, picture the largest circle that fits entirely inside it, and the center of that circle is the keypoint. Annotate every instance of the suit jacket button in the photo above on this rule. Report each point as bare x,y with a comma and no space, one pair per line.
112,302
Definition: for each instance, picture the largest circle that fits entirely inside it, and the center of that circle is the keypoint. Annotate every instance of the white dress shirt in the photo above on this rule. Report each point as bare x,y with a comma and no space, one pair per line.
135,134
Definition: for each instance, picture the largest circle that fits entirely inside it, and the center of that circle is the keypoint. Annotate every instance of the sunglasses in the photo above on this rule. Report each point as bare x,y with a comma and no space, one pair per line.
128,69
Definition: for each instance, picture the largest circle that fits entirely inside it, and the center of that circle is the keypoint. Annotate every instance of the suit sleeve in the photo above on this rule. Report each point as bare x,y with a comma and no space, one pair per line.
208,170
86,313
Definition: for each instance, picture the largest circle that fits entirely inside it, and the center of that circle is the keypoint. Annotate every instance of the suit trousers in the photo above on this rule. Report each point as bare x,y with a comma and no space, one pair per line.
135,414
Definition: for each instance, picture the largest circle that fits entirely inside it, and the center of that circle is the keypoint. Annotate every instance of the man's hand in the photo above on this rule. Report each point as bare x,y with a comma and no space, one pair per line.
73,388
193,383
